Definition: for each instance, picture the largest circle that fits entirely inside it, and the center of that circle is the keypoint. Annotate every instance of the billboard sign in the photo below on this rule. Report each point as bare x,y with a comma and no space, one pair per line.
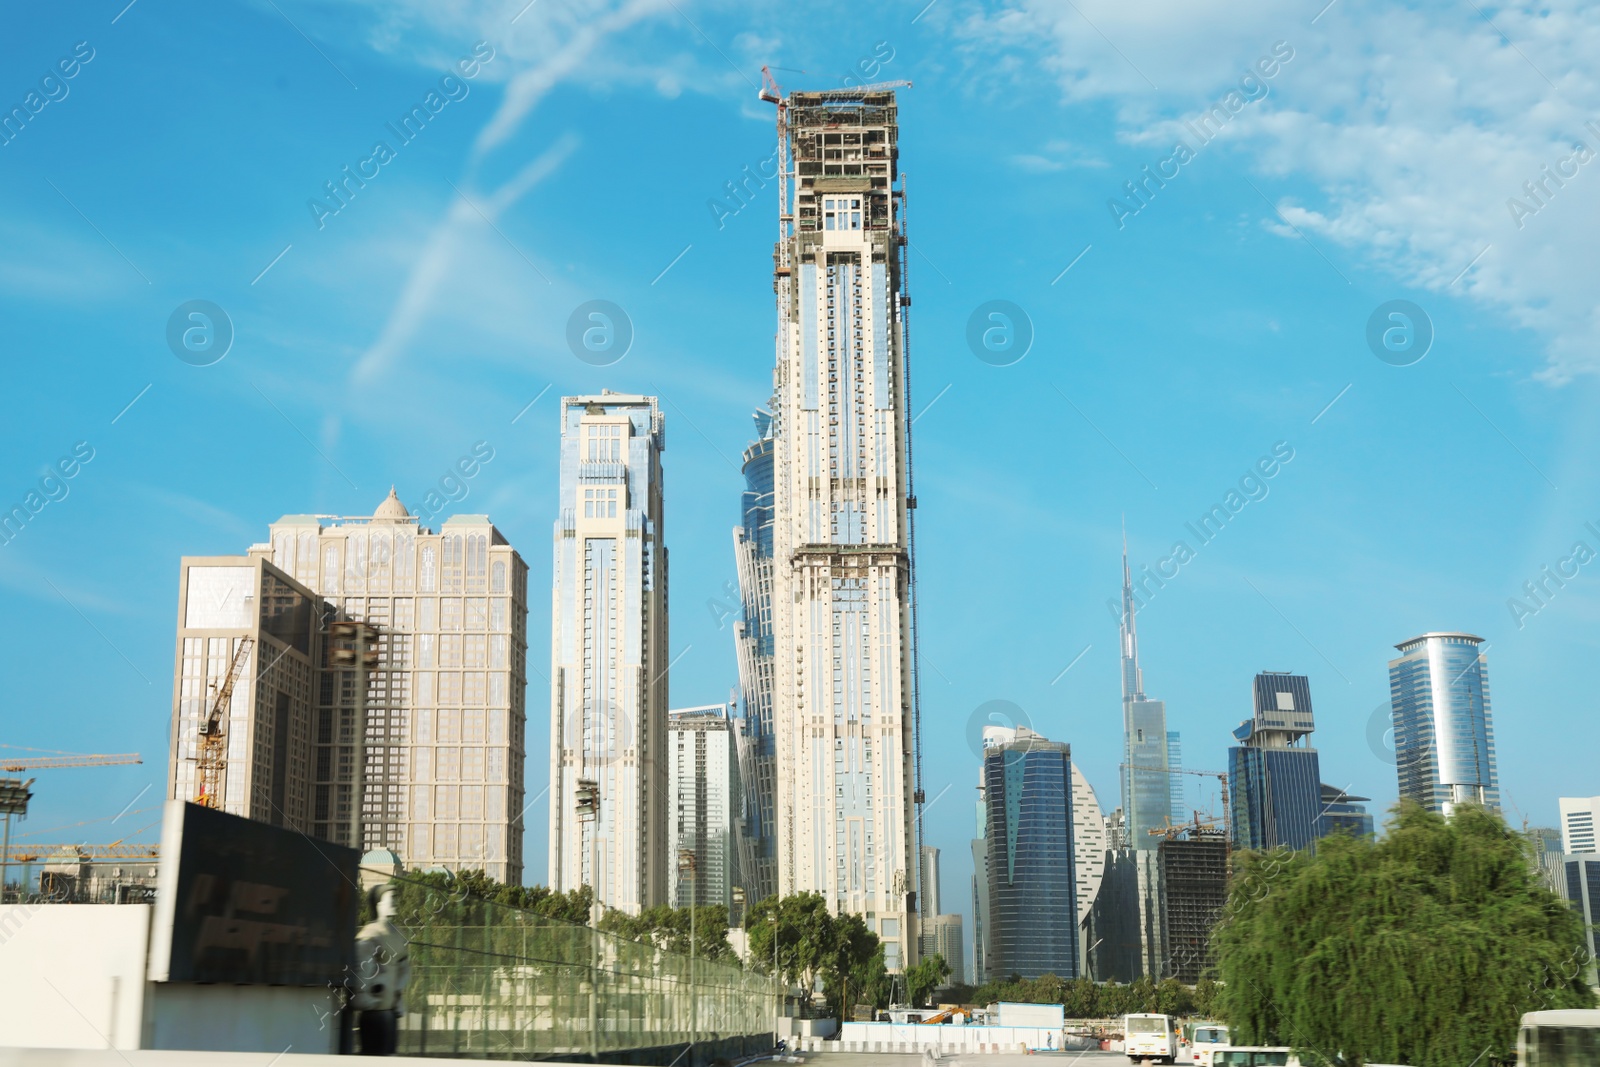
247,903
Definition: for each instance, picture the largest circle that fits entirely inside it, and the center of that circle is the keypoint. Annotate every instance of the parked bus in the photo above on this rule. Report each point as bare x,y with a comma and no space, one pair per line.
1149,1037
1568,1038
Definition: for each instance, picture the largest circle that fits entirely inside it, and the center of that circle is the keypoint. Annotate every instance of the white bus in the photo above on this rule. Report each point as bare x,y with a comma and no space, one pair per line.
1568,1038
1149,1037
1203,1039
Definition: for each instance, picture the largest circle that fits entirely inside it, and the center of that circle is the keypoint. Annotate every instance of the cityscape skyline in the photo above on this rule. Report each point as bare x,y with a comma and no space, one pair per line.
329,396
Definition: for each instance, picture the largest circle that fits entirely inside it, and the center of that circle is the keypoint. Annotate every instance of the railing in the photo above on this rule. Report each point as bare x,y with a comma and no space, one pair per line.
489,980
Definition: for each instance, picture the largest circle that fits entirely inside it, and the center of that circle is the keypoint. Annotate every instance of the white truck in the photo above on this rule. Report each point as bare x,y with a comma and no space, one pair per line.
1148,1036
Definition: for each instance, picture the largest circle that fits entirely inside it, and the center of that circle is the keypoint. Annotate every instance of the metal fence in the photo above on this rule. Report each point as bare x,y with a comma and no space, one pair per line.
491,980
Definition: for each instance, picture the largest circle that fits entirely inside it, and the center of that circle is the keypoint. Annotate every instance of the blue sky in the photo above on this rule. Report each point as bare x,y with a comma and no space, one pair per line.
1223,317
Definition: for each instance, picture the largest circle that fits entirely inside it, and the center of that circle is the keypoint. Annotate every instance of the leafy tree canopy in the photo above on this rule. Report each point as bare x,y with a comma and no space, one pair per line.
1424,947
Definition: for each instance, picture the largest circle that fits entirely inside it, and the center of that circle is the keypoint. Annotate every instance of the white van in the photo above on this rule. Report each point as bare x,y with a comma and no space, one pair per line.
1148,1036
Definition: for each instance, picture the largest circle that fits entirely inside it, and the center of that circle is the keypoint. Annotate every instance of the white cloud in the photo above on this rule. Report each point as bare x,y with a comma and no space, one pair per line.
1414,126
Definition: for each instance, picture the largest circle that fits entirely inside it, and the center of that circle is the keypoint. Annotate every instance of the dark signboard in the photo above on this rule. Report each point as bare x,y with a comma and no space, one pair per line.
247,903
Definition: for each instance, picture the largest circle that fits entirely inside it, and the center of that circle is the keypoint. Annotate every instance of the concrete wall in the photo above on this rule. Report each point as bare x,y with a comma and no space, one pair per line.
72,975
886,1037
240,1018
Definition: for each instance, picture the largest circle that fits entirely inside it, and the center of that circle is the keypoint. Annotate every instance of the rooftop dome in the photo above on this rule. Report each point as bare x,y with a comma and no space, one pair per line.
391,510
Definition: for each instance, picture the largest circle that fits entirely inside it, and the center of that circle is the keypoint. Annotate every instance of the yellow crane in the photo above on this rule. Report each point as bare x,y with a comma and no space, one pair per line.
213,757
37,763
1220,776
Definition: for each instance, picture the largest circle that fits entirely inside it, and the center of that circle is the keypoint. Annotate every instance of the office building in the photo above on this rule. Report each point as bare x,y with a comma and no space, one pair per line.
703,806
609,655
938,932
1344,813
845,700
752,549
1194,880
1578,816
441,694
1443,730
1549,859
1089,842
1114,944
1275,773
1582,890
1032,924
223,602
944,934
1180,807
1147,792
980,896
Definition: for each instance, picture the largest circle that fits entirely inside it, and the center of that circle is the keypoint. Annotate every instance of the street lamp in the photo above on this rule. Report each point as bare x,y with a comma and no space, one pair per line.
686,862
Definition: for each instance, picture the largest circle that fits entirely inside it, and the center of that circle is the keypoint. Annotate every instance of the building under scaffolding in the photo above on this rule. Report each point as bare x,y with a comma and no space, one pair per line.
1194,881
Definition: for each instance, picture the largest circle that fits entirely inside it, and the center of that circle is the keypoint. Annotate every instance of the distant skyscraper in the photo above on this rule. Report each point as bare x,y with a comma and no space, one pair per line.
1443,730
980,891
1180,808
703,805
1147,791
1344,813
752,546
845,663
609,656
1578,817
944,934
442,753
928,898
1033,893
1088,841
1275,773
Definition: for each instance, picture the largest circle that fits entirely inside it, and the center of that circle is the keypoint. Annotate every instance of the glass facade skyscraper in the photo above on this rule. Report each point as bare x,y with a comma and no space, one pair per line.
752,549
1276,774
1148,797
1032,922
1443,730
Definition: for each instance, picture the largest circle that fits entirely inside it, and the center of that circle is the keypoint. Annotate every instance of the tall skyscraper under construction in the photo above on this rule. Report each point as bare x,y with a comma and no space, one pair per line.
608,658
843,618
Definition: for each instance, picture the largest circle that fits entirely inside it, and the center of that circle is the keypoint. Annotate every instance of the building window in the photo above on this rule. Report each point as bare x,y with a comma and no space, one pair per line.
843,213
497,576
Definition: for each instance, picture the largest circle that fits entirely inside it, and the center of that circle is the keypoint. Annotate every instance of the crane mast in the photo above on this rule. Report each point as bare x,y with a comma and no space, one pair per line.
213,758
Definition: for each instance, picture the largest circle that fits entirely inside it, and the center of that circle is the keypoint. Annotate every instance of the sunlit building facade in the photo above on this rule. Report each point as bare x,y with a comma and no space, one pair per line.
1275,773
753,642
609,659
844,701
1443,729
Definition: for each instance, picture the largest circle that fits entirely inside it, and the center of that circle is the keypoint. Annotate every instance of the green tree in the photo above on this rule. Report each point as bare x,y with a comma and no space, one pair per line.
1424,947
1206,992
668,929
804,931
924,976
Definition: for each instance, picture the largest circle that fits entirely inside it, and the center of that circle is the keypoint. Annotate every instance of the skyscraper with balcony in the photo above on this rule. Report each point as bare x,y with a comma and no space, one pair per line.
753,642
441,752
609,658
1032,923
1443,730
1275,773
844,656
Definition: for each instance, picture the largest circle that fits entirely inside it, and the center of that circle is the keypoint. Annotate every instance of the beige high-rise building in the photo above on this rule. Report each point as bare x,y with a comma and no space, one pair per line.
222,602
845,700
445,701
608,655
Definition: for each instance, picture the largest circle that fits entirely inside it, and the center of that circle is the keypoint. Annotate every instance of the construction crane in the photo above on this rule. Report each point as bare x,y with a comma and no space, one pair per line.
39,763
213,757
1220,776
91,853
